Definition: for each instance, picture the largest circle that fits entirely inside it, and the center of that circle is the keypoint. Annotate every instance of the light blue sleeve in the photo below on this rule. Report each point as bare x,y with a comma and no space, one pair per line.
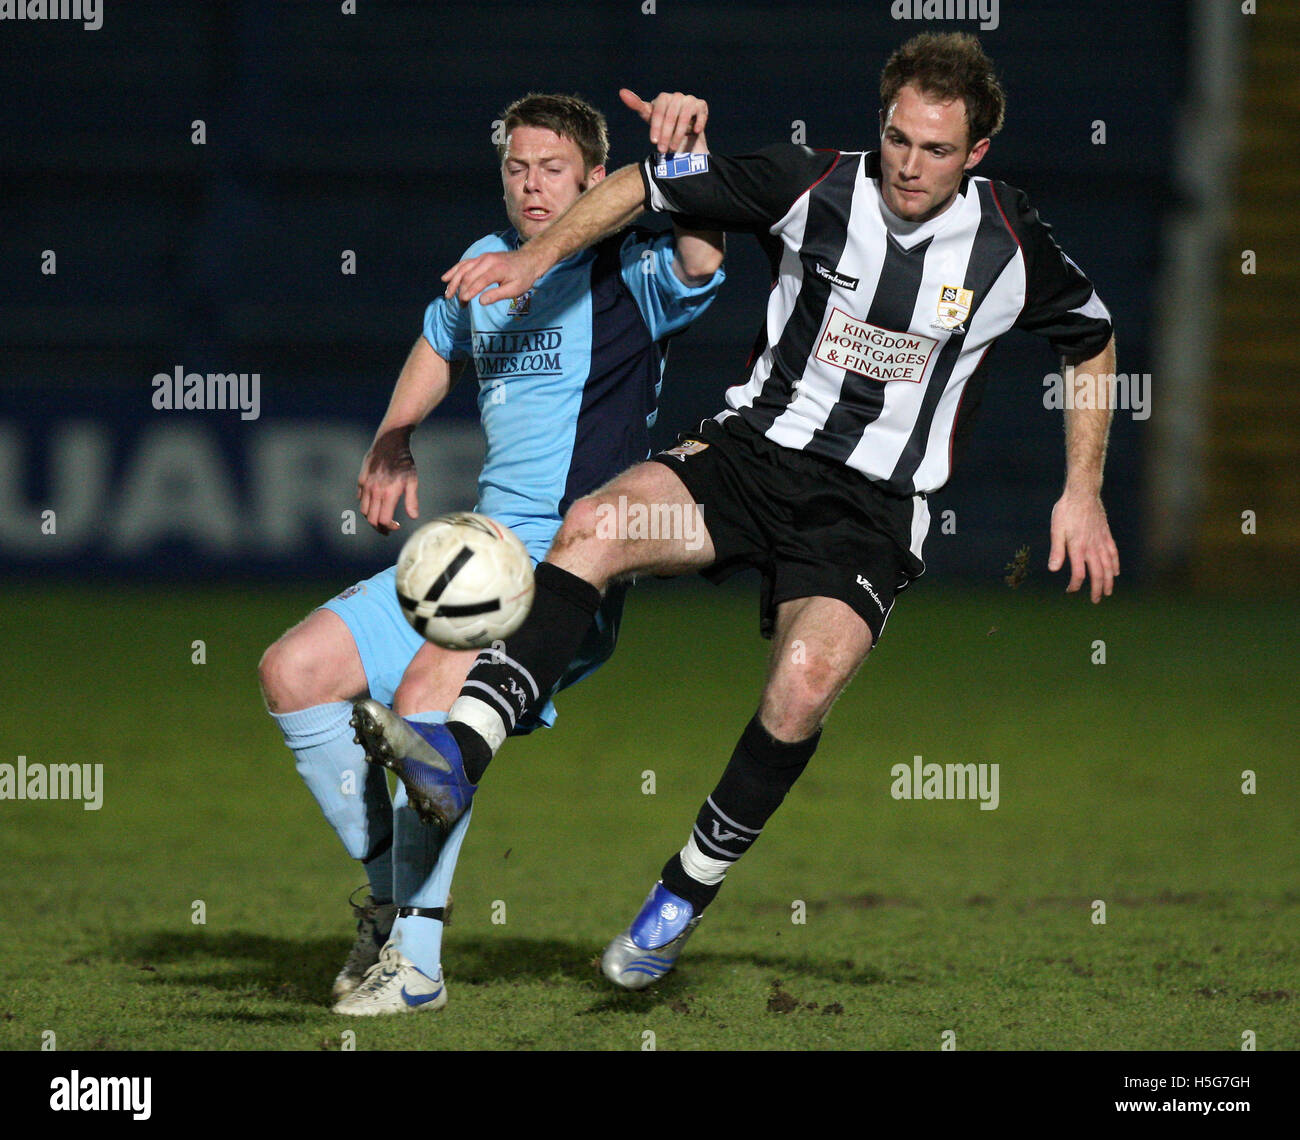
447,323
446,328
667,304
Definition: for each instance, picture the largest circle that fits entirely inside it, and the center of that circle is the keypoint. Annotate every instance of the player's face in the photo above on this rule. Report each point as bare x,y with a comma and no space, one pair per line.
543,176
924,151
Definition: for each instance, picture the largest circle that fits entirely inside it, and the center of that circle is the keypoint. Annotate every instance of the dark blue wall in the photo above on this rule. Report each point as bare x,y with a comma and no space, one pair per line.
371,132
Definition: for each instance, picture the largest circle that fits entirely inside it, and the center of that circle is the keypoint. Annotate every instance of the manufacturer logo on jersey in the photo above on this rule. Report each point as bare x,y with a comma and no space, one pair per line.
954,308
680,165
521,306
685,448
835,278
878,354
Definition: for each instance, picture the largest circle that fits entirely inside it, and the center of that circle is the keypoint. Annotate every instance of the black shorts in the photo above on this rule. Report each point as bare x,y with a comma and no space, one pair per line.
810,526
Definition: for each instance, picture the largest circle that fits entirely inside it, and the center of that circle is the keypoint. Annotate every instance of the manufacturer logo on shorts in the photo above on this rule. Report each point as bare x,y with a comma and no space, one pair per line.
874,596
680,165
954,308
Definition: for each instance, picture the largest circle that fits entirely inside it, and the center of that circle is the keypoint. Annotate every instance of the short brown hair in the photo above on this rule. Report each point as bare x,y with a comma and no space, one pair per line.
948,65
568,116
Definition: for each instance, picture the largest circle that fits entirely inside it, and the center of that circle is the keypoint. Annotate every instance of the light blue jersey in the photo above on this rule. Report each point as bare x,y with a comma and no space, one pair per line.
569,377
569,374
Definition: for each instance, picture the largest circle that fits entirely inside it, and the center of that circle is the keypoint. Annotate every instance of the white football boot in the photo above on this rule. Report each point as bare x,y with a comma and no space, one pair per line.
394,985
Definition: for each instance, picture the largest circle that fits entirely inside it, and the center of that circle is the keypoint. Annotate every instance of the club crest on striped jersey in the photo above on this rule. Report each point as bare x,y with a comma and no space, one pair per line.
954,307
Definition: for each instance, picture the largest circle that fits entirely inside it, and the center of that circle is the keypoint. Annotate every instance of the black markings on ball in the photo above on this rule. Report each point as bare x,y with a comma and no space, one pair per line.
443,580
467,611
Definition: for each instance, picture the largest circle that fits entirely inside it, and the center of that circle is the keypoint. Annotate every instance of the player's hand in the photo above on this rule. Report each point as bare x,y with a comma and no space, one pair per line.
387,477
1080,530
513,273
676,120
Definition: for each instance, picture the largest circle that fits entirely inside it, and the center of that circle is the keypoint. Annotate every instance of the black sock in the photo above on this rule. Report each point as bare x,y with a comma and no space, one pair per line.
761,771
475,754
518,678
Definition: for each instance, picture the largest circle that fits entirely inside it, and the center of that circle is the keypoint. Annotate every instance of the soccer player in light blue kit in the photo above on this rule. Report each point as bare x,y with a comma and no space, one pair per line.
568,381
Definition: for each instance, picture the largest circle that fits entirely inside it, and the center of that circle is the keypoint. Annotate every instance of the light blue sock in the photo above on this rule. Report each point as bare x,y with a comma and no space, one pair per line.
352,793
423,865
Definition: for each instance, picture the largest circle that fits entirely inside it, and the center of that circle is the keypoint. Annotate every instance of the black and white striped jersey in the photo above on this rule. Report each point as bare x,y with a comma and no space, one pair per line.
877,328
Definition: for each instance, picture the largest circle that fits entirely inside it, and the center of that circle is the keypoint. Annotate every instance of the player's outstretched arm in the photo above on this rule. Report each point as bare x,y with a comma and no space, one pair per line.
1080,530
676,120
676,124
388,471
606,207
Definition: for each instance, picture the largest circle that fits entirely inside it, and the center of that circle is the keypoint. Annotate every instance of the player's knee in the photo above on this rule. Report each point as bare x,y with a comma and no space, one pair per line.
790,723
272,676
290,676
432,680
585,544
580,523
415,695
797,703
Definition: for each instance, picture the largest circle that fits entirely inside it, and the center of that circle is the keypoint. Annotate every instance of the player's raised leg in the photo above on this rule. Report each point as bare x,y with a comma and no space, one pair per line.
607,535
421,753
644,520
429,686
408,975
310,676
817,645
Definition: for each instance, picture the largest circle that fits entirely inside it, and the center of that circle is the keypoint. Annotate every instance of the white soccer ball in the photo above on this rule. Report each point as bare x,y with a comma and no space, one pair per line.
464,581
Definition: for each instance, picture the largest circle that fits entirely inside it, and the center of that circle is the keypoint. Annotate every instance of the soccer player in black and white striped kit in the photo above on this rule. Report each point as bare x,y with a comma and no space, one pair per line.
894,272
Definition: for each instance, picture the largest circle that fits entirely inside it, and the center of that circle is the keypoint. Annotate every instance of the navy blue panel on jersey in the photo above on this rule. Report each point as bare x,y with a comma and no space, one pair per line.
620,396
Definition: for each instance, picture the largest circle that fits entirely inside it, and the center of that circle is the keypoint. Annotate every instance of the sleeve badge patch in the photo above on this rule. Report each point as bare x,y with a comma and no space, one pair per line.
680,165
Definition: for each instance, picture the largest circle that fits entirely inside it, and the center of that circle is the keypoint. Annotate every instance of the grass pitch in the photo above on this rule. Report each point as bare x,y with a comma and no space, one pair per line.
860,921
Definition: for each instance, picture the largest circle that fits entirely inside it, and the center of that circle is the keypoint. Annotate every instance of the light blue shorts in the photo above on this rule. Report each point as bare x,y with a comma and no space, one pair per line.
387,643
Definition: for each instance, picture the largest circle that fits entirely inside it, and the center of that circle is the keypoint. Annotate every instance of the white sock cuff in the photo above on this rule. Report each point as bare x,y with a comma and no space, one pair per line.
701,867
482,717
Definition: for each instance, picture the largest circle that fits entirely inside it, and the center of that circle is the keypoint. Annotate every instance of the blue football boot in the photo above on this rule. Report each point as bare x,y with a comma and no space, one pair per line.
650,947
425,757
